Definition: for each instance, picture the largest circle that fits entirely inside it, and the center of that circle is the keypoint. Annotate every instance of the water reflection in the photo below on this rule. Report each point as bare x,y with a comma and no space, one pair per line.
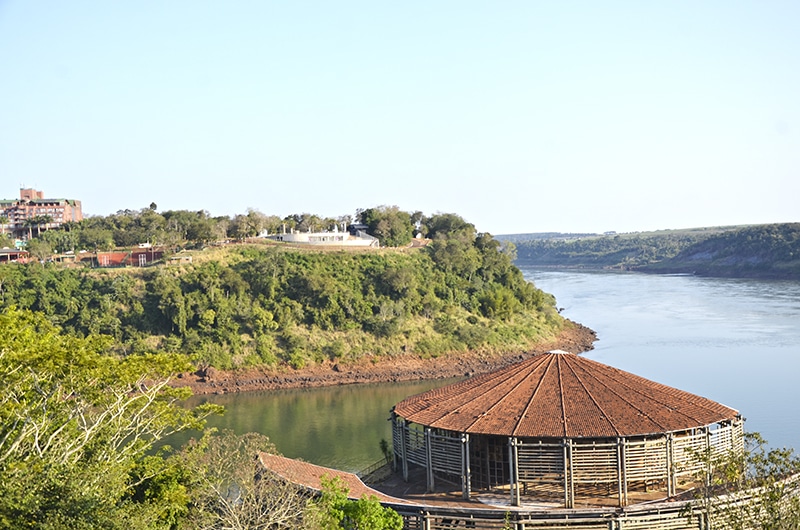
340,427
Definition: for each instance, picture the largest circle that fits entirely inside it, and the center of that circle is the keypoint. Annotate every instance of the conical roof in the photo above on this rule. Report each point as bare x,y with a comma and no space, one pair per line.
561,395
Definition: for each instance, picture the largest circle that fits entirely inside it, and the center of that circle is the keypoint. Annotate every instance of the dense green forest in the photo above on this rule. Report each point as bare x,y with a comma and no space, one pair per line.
763,251
269,304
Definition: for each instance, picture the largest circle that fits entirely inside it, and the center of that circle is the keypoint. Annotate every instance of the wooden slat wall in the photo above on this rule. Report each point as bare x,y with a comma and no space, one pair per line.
661,522
685,451
594,463
540,462
446,453
415,446
397,438
646,460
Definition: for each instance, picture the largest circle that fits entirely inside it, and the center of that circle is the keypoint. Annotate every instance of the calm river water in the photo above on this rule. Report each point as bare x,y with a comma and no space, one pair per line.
733,341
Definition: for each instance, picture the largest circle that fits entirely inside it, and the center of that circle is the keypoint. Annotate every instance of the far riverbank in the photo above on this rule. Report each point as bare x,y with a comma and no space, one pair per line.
574,338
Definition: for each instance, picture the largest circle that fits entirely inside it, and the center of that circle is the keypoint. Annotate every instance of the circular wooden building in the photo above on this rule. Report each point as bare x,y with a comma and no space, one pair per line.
560,426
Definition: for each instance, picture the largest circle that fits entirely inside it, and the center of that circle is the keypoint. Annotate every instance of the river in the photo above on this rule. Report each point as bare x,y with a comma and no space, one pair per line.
733,341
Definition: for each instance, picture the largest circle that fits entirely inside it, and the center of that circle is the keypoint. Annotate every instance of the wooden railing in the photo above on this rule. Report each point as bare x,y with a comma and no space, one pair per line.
376,471
678,515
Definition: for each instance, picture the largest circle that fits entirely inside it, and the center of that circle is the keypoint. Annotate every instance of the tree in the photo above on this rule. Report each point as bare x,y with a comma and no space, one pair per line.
449,226
758,488
37,221
6,241
39,249
230,491
334,510
76,426
3,224
389,224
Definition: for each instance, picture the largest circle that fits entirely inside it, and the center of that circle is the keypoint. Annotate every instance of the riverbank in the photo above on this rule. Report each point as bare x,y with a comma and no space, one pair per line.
574,338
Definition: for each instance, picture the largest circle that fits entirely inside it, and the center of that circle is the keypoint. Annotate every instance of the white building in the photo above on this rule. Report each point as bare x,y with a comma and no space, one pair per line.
335,238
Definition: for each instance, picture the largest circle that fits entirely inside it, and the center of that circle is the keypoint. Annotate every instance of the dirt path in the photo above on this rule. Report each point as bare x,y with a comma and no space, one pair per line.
575,338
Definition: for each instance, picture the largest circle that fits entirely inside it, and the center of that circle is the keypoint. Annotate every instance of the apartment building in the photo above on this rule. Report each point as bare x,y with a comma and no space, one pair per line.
33,213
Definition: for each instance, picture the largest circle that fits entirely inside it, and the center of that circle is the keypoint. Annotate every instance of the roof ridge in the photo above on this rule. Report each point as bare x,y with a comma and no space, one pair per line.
470,383
533,396
522,366
564,420
629,402
615,371
591,396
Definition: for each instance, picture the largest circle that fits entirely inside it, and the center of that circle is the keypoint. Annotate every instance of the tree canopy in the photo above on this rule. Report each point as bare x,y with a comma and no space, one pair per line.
76,426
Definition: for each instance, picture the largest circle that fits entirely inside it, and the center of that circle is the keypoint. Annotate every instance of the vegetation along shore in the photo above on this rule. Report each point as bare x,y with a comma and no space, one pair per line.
573,337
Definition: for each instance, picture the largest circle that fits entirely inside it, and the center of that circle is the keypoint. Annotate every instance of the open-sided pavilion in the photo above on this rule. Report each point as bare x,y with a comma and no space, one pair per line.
563,428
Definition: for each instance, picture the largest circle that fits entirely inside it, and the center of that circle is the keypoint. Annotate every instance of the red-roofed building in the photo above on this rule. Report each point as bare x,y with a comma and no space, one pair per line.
13,255
140,257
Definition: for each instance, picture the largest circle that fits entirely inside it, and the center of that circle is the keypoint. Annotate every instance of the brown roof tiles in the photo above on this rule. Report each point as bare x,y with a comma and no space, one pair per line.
558,395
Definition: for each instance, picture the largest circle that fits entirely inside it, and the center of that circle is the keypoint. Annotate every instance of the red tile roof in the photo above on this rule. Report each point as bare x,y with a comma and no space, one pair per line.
561,395
310,476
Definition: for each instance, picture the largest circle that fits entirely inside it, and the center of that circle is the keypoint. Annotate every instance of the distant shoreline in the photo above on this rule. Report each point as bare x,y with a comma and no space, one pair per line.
763,275
574,338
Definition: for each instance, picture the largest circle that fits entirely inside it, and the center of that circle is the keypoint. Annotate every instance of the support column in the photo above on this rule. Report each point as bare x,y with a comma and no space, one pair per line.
620,479
395,457
709,469
624,474
513,468
569,483
404,447
429,459
671,478
466,474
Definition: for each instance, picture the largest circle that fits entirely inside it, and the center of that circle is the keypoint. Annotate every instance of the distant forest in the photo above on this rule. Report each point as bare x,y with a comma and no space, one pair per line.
760,251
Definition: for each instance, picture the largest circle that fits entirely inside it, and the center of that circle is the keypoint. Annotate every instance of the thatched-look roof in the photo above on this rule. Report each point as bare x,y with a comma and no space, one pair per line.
561,395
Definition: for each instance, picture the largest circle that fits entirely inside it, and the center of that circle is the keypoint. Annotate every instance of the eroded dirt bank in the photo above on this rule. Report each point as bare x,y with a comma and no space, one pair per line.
575,338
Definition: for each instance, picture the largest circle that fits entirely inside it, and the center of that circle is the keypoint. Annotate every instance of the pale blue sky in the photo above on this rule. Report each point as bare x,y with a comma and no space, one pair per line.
521,116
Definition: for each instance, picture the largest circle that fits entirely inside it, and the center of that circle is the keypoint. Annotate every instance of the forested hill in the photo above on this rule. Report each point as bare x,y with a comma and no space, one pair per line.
268,304
761,251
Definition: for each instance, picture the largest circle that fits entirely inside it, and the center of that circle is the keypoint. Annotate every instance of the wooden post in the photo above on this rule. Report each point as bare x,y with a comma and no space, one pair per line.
709,469
620,463
429,458
466,474
569,478
513,465
516,470
624,474
404,448
671,486
394,433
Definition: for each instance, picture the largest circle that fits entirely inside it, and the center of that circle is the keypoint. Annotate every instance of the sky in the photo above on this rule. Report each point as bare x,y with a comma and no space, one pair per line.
520,116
